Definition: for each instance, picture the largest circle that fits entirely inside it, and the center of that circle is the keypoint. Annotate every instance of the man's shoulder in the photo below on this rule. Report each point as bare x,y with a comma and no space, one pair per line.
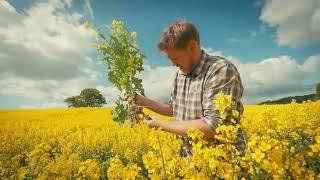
214,63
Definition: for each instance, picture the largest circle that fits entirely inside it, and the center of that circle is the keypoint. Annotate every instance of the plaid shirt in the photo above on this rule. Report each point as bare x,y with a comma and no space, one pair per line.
193,93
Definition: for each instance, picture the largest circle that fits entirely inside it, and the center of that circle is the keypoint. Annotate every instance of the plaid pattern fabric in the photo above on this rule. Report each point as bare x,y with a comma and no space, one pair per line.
193,93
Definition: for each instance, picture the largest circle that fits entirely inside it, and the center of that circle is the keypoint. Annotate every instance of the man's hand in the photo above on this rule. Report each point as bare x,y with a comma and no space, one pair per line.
153,121
140,100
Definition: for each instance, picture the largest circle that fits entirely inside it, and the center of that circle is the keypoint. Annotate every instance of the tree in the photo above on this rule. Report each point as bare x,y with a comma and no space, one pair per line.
92,97
89,97
73,101
318,91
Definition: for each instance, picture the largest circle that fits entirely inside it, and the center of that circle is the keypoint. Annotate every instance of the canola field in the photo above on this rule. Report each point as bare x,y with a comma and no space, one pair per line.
283,142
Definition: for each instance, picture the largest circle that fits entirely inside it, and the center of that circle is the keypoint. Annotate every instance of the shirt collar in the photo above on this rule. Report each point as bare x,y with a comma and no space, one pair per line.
198,67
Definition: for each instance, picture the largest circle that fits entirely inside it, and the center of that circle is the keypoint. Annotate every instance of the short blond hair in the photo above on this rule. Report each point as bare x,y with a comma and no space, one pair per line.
177,35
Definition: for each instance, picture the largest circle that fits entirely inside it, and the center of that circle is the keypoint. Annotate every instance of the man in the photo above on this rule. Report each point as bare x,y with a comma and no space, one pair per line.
197,82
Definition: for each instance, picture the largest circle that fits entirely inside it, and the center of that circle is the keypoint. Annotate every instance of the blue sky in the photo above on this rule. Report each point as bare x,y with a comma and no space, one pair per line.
274,44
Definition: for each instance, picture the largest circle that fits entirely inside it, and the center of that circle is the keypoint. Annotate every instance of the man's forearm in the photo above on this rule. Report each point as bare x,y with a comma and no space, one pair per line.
180,128
158,107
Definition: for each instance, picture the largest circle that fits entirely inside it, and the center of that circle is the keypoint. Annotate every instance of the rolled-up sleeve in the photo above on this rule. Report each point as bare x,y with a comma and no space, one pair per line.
222,78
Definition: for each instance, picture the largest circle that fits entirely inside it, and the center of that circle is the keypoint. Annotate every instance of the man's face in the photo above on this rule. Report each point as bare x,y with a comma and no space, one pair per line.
182,58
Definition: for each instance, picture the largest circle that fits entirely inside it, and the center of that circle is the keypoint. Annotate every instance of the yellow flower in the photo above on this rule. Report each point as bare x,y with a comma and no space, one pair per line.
264,146
135,46
315,148
133,35
89,135
258,155
117,24
119,29
294,101
93,34
292,149
222,103
235,113
47,148
96,46
86,25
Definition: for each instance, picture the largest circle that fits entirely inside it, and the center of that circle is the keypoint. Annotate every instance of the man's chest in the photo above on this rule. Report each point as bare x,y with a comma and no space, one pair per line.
187,104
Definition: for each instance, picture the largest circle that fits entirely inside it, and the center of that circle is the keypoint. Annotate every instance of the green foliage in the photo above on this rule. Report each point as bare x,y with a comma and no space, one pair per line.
89,97
288,100
74,101
123,60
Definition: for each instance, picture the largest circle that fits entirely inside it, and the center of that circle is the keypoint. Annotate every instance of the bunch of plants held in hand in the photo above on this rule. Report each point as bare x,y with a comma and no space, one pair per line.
123,59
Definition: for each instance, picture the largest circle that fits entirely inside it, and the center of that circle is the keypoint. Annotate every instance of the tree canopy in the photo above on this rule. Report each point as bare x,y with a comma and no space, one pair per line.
89,97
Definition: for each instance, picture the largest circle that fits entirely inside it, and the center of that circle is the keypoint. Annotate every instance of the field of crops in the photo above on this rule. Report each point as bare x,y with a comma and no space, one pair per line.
282,141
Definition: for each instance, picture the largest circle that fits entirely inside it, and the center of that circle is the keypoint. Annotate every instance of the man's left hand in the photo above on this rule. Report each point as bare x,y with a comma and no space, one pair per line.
153,121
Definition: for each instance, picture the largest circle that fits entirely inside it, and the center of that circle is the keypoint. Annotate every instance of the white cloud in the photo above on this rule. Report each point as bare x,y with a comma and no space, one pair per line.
158,81
110,93
273,78
297,22
8,12
44,55
233,40
44,51
88,8
312,64
253,34
45,89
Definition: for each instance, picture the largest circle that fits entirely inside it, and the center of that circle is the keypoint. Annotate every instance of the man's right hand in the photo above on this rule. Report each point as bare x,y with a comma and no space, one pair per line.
140,100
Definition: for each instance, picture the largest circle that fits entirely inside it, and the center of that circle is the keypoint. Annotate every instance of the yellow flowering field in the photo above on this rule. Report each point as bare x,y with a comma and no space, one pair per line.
283,142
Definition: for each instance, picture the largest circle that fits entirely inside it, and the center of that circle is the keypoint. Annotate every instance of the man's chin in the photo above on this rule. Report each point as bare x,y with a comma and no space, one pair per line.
184,71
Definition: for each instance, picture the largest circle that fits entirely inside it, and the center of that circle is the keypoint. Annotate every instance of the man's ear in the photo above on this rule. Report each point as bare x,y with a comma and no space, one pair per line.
192,45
